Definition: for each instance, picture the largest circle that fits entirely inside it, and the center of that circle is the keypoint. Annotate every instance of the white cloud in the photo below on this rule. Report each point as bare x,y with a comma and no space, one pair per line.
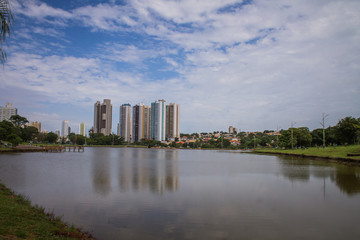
264,64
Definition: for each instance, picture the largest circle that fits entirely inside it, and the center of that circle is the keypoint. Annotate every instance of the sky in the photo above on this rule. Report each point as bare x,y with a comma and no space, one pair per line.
252,64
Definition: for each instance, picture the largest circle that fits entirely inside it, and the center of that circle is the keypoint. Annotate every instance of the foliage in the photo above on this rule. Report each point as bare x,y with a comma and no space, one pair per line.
347,130
18,120
6,22
29,133
51,137
101,139
14,139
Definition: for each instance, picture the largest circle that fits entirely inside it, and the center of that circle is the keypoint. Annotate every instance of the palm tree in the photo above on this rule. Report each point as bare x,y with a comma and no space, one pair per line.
6,21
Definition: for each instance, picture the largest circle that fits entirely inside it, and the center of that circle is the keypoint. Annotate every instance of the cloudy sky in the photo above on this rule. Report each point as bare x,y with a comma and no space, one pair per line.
252,64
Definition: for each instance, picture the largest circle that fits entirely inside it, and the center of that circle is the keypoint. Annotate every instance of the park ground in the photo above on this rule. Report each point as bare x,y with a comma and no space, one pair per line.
337,153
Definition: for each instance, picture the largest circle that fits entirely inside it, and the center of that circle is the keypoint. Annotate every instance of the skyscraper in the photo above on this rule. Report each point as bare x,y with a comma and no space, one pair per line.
82,130
7,111
147,120
157,123
65,128
103,117
138,122
125,124
173,121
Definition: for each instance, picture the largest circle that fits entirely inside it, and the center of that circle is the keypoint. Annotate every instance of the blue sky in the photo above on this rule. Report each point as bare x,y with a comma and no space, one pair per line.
254,64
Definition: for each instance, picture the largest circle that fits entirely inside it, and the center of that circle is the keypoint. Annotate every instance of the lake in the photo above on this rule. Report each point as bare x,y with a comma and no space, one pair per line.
130,193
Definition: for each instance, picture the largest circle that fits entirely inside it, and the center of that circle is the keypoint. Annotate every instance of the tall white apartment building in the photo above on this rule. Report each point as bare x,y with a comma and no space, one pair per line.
125,124
7,111
173,120
158,120
82,130
103,117
65,129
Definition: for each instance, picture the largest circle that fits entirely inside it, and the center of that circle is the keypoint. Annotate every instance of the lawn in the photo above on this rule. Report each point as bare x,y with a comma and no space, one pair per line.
329,152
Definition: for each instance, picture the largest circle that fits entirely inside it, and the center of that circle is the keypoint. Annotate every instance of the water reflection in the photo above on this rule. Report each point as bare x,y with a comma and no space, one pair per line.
346,178
101,173
136,170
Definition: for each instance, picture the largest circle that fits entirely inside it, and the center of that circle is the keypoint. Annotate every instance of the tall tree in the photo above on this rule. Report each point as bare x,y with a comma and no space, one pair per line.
6,18
347,130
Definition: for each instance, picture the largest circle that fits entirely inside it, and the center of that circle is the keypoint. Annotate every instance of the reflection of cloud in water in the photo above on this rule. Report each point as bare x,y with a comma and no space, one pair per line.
155,170
347,178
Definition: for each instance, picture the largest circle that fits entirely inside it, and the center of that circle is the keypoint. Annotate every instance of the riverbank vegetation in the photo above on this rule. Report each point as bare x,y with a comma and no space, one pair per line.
20,220
334,152
346,132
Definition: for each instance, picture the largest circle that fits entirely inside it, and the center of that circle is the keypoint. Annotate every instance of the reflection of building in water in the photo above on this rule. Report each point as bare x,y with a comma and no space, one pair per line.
155,170
101,176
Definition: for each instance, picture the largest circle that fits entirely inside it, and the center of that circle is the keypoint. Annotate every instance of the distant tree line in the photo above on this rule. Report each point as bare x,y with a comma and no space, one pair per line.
345,132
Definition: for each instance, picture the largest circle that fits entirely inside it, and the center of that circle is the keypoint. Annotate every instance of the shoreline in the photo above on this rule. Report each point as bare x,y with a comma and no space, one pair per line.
36,222
343,160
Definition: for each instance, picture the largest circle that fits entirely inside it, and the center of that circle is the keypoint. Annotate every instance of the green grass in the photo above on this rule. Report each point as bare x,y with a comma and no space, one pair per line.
20,220
328,152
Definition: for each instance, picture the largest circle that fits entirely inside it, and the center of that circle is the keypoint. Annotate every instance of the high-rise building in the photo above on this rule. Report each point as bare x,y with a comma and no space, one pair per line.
103,117
157,123
138,116
82,130
147,120
36,124
232,130
125,126
57,132
141,122
173,121
7,111
65,129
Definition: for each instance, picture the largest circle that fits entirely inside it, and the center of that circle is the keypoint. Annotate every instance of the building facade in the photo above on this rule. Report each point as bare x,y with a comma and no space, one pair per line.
7,111
147,121
173,121
103,117
82,129
125,124
158,120
138,117
65,128
36,124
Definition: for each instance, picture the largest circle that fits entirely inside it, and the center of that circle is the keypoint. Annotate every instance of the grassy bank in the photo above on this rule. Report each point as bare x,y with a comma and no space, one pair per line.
342,153
20,220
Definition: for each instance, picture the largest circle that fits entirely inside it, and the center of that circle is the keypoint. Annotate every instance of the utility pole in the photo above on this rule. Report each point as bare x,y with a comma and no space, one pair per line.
292,134
324,115
277,136
254,141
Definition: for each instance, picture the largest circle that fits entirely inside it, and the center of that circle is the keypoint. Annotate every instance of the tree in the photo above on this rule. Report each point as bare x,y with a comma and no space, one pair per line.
317,137
6,22
18,120
347,130
303,136
51,137
29,133
14,139
6,129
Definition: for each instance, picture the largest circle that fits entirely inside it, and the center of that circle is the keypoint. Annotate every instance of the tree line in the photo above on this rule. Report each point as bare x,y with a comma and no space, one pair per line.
345,132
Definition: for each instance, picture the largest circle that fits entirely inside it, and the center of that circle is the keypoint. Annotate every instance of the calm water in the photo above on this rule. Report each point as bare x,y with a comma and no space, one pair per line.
190,194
